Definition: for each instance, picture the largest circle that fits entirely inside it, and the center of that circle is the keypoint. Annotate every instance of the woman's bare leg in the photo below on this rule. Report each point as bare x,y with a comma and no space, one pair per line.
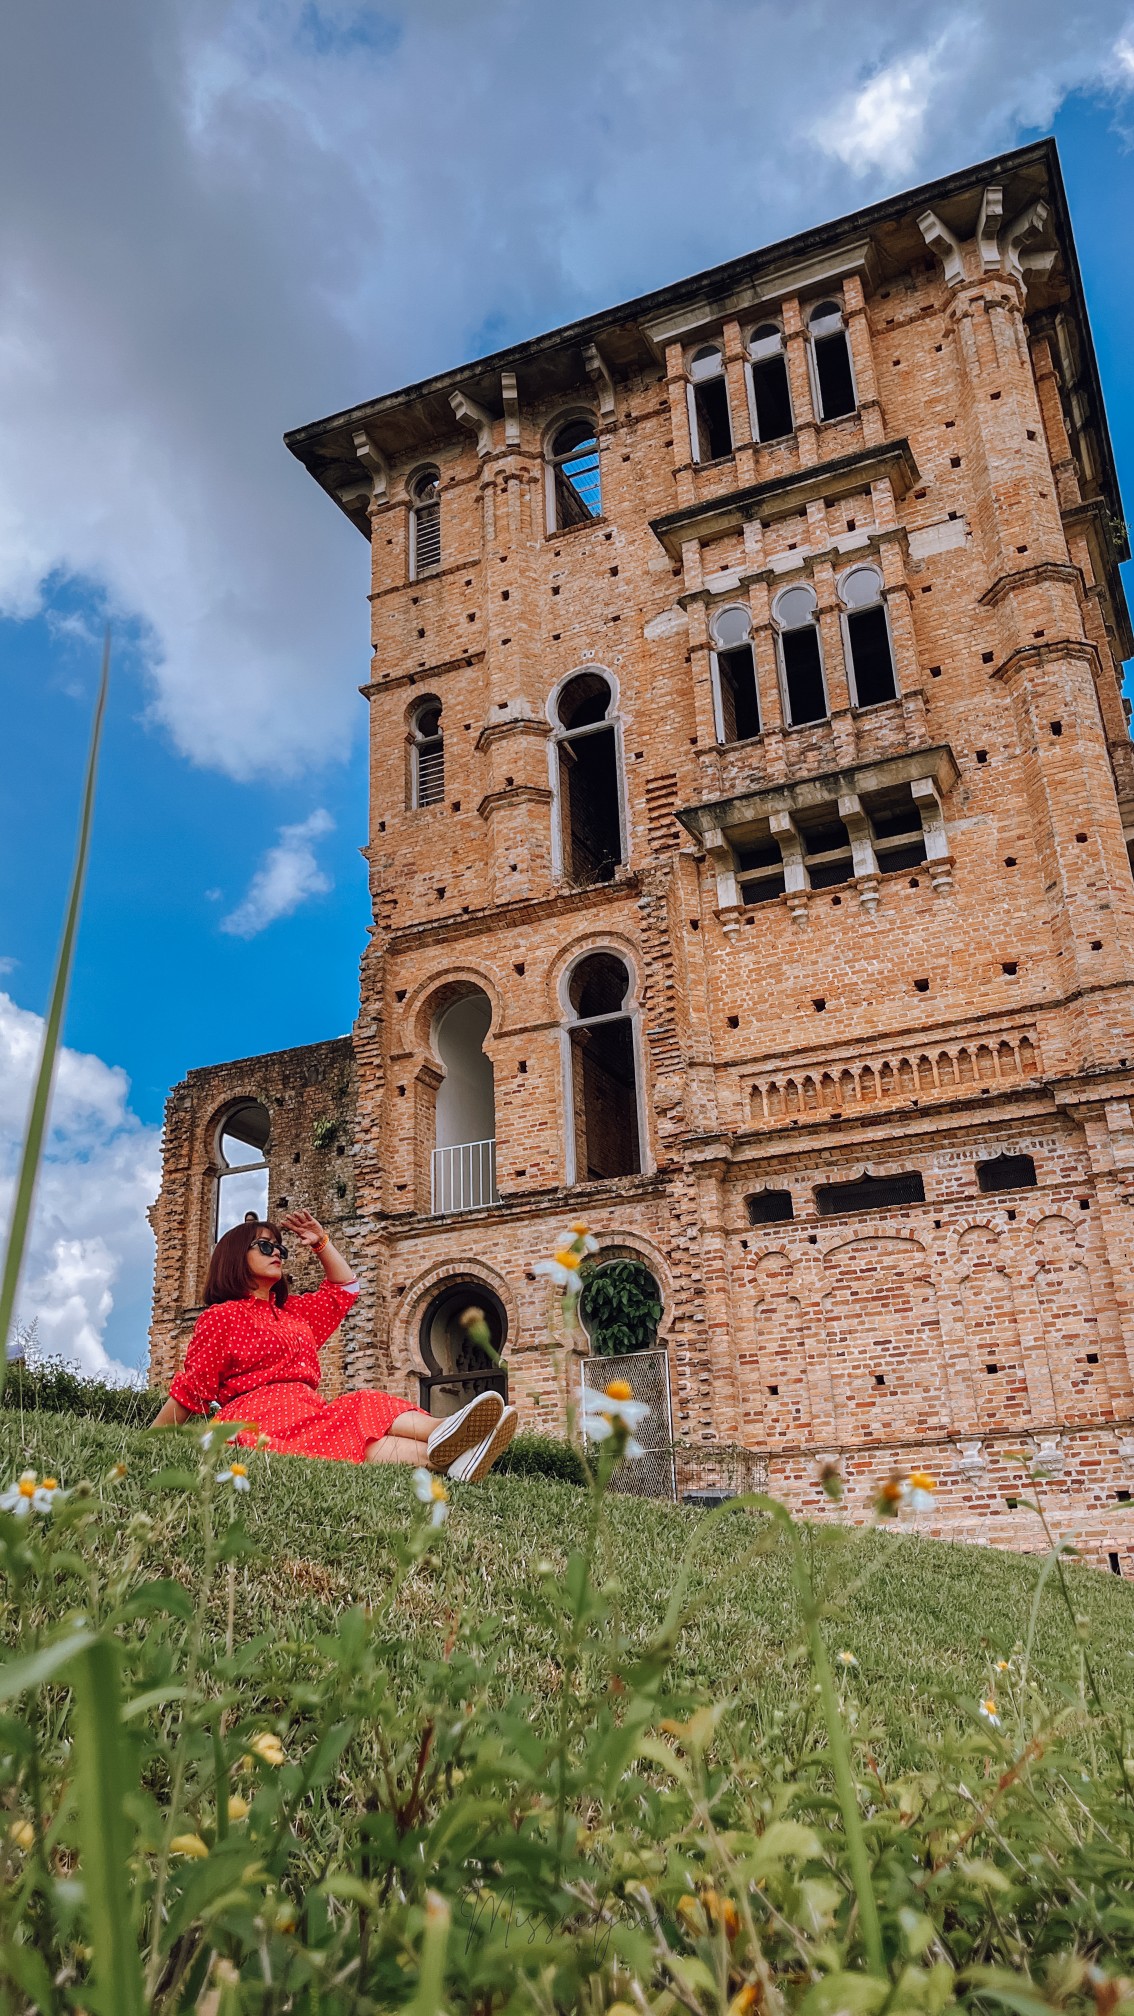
406,1441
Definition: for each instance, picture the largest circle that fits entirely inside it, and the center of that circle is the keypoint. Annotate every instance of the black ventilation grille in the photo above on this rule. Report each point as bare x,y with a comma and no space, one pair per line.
870,1193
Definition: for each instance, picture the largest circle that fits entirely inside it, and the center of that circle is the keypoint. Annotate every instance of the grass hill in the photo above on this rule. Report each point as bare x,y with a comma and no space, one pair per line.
472,1715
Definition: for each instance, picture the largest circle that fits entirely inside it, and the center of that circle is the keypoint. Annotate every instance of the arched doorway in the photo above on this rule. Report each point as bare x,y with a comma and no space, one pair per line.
459,1367
463,1171
242,1165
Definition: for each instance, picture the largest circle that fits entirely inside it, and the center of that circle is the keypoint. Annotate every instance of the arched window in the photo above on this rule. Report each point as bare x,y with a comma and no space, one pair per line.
801,659
710,422
463,1167
737,702
575,482
425,524
866,629
460,1366
242,1162
427,755
767,375
606,1126
590,784
831,361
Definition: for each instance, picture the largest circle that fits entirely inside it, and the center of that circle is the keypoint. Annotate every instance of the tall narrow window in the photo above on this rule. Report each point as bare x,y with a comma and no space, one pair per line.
800,656
734,667
576,483
710,422
604,1079
590,787
870,658
427,755
767,370
425,524
242,1163
830,353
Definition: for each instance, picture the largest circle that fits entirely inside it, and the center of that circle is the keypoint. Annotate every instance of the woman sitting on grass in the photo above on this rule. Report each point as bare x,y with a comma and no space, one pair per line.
255,1349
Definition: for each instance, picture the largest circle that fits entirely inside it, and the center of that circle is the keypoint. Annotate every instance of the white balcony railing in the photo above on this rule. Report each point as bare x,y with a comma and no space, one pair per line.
463,1178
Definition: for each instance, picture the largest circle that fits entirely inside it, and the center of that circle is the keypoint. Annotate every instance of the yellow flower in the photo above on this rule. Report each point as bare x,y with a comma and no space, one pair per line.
692,1916
580,1228
565,1256
188,1844
238,1808
721,1911
619,1389
267,1747
21,1834
990,1712
116,1472
745,2000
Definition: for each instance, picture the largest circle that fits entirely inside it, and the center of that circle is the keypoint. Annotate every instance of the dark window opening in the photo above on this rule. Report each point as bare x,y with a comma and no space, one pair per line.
899,837
713,422
603,1071
575,470
770,1207
589,782
803,675
766,866
426,524
772,399
1007,1172
740,707
459,1368
827,852
870,1193
1115,1564
833,375
872,661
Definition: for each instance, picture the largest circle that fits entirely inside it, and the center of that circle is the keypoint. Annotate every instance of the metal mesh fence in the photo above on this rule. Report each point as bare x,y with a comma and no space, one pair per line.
692,1473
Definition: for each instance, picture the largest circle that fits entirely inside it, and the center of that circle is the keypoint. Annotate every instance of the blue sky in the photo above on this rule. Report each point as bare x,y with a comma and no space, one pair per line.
331,206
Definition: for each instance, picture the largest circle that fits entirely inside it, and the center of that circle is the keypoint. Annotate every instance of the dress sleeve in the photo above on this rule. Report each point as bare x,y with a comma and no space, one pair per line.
195,1386
324,1310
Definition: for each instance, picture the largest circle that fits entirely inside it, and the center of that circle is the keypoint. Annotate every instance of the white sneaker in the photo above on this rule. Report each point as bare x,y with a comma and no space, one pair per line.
464,1430
476,1463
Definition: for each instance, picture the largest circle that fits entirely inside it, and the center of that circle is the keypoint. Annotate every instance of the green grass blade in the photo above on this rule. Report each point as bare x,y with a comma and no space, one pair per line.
104,1839
52,1033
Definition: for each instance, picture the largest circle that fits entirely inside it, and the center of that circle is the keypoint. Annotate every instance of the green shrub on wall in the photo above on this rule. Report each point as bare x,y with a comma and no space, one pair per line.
51,1386
543,1456
620,1308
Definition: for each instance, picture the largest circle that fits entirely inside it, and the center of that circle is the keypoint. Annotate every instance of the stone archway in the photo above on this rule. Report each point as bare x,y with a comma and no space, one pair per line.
458,1367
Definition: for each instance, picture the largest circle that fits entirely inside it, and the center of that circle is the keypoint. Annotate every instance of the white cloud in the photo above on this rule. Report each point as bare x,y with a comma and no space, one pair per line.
223,218
101,1169
287,876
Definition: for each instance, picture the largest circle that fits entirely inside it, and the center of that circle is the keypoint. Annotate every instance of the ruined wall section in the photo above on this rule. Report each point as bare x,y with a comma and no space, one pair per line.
310,1096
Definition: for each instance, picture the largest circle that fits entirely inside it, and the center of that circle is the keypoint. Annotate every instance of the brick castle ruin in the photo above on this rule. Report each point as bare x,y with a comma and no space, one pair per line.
751,792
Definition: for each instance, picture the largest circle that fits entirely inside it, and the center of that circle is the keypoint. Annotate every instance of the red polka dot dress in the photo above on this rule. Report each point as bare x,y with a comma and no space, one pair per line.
262,1363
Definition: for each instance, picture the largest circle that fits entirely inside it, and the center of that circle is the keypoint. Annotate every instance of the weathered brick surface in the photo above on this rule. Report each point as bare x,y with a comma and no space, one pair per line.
977,1004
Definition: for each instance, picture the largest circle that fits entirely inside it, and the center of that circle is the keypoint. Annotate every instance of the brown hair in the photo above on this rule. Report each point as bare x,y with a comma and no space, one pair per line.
228,1279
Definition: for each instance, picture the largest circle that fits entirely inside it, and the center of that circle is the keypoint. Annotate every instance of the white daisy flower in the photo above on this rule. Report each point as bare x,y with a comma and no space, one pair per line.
990,1713
29,1496
614,1411
429,1489
563,1272
236,1475
846,1659
920,1487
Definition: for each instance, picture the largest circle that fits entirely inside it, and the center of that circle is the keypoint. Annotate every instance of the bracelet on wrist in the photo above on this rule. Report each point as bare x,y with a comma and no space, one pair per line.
324,1241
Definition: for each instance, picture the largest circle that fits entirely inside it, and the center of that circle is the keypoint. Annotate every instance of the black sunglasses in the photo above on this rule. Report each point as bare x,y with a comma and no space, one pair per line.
268,1246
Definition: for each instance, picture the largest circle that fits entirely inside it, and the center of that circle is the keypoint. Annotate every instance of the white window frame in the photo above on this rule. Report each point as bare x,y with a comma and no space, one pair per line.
845,612
631,1012
611,719
816,395
715,648
692,380
419,707
750,383
430,469
781,667
550,464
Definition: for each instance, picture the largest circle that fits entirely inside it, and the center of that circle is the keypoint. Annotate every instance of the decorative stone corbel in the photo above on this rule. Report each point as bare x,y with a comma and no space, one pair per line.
938,859
1126,1452
511,398
1048,1459
865,860
971,1458
374,462
720,856
469,414
796,888
1015,255
988,227
940,239
598,371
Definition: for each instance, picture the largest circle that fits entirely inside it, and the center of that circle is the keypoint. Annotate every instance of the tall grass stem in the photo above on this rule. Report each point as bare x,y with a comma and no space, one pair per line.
52,1036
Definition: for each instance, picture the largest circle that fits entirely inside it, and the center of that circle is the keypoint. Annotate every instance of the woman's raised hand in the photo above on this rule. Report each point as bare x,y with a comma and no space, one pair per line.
302,1226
